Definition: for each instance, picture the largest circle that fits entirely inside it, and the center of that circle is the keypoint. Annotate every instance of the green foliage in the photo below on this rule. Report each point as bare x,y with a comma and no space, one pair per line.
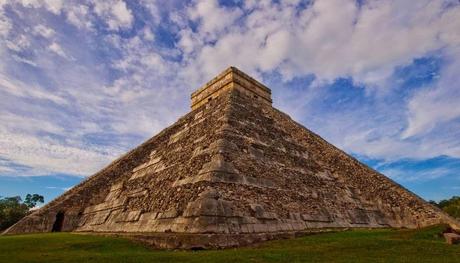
12,209
32,200
450,206
360,245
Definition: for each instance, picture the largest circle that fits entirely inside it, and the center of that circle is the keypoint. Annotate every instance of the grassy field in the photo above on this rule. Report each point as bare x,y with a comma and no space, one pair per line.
349,246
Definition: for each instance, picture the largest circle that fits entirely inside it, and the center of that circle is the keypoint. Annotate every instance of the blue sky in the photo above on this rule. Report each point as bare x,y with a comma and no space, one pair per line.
82,82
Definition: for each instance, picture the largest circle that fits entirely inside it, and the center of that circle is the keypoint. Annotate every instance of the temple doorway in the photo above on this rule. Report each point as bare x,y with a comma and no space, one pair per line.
58,223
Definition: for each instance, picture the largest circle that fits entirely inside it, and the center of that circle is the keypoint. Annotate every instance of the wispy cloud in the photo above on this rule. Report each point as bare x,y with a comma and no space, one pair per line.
60,188
402,175
44,31
56,48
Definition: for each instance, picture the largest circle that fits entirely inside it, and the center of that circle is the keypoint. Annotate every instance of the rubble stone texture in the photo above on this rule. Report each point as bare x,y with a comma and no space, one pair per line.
231,172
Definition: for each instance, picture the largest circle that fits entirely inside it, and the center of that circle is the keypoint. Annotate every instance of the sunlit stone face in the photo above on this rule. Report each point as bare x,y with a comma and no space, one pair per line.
232,78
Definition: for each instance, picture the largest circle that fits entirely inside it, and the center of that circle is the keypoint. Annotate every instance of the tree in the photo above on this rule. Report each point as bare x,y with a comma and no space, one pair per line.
32,200
450,206
12,209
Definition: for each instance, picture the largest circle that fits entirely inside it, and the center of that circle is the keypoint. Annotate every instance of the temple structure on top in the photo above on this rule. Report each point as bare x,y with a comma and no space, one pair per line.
231,172
231,79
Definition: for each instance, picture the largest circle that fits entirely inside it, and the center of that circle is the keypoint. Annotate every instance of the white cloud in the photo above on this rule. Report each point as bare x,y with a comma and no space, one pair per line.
46,156
148,35
53,6
44,31
122,13
78,15
329,39
6,169
20,89
23,124
390,148
18,44
115,12
440,104
153,7
57,49
150,90
213,18
24,60
5,24
60,188
402,175
41,137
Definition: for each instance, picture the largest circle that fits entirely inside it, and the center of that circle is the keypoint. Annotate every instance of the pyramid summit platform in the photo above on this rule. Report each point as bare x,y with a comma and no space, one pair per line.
231,172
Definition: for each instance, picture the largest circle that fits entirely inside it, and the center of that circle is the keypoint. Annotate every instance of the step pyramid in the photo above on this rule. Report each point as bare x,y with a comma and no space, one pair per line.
232,171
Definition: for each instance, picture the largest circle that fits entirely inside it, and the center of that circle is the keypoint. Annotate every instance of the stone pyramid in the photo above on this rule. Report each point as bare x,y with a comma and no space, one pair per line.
232,171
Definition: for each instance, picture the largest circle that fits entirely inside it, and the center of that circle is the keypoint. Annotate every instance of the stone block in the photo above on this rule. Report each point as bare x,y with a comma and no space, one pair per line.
178,135
138,192
82,221
117,203
218,164
117,186
452,238
295,216
113,195
99,218
249,220
358,216
208,204
202,207
209,192
131,216
198,115
171,213
256,153
317,217
151,162
148,217
257,210
260,228
154,165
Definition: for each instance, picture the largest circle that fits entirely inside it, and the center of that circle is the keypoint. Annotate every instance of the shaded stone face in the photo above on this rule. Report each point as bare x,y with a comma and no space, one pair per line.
233,166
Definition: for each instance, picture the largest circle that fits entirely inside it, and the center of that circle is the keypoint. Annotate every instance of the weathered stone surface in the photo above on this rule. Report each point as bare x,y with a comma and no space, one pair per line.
130,216
99,218
171,213
237,167
452,238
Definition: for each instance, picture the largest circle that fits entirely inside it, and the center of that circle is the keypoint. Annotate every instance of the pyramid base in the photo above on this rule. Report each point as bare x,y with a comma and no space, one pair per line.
190,241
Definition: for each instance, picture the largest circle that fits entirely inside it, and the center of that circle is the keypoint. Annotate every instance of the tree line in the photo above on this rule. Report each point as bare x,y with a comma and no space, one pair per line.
450,206
12,209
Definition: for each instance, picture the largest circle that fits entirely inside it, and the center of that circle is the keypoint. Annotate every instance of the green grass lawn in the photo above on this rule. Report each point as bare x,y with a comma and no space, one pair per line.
349,246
